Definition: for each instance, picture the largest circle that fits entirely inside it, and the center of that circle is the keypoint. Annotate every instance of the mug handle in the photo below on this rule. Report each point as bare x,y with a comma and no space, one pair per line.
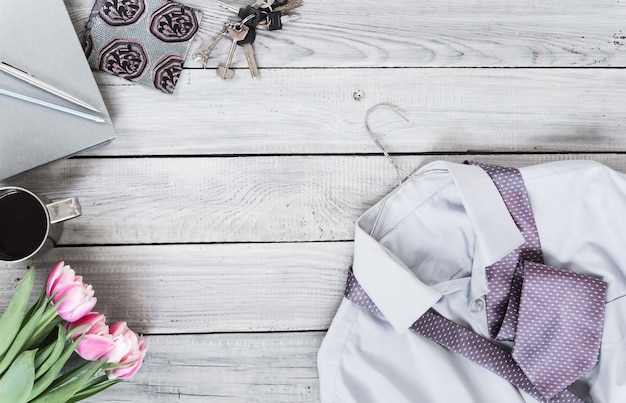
64,210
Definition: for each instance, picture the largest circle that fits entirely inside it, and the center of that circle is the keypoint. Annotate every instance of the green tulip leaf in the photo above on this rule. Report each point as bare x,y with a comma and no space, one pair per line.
55,354
19,342
43,354
47,380
41,300
14,314
94,387
64,393
17,382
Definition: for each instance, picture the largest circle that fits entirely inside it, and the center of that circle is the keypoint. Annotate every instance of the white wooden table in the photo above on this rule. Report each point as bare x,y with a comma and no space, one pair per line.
220,222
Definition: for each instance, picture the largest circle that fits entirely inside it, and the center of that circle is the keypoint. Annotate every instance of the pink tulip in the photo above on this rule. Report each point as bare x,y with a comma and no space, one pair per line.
129,352
96,340
93,346
77,297
93,322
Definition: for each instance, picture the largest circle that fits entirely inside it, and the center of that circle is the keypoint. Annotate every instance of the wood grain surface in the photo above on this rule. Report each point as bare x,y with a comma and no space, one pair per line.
314,111
220,222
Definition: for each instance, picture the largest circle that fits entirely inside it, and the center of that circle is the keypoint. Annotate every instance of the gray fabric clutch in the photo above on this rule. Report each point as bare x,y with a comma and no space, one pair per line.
143,41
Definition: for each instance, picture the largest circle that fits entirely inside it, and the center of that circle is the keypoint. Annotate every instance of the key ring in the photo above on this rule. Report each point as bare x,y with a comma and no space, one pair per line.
240,25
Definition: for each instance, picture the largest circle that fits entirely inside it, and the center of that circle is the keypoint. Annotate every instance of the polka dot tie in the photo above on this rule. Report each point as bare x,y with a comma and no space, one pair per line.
554,316
559,327
464,342
505,277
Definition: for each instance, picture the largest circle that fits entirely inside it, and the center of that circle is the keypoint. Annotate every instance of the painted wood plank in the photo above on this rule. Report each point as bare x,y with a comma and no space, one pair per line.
228,368
182,288
176,289
432,33
216,200
310,111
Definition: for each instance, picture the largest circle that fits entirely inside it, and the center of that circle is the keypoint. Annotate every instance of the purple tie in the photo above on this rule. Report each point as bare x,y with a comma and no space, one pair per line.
559,327
554,316
464,342
505,277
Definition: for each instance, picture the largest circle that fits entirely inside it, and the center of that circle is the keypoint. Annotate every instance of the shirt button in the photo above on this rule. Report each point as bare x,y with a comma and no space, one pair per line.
478,305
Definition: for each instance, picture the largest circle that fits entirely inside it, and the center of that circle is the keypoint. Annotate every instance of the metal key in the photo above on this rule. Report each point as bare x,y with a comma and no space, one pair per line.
258,5
279,3
292,5
263,4
236,32
248,51
203,54
227,6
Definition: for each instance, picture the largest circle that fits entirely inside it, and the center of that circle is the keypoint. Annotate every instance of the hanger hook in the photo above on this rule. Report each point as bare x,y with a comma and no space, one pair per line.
374,136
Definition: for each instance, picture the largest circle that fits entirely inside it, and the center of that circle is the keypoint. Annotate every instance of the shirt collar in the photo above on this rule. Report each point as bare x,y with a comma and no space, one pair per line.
400,295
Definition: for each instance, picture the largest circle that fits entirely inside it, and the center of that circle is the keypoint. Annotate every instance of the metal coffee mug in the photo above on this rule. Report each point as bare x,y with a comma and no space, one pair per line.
29,224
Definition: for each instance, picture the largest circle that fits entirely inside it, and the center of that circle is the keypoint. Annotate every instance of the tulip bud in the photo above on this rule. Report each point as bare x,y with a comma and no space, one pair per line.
96,340
94,323
73,299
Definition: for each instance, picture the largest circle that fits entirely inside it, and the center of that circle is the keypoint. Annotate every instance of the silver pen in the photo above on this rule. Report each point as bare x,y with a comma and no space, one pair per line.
29,78
50,105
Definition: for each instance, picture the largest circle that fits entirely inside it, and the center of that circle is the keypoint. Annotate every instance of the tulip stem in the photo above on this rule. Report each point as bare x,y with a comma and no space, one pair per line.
50,319
95,386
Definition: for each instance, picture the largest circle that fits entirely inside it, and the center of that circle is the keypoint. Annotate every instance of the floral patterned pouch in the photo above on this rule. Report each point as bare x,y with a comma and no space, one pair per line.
143,41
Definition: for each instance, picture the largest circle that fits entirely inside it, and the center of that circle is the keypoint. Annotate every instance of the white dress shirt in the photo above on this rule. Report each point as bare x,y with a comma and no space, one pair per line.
427,245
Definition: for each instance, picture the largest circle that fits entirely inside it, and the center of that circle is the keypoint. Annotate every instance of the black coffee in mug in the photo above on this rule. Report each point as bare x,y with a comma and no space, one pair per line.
23,225
29,224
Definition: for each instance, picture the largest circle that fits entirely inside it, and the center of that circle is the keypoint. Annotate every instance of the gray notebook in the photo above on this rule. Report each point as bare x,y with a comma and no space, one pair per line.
38,36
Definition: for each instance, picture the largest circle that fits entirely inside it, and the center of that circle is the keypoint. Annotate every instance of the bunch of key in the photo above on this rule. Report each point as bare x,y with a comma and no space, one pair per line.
263,14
